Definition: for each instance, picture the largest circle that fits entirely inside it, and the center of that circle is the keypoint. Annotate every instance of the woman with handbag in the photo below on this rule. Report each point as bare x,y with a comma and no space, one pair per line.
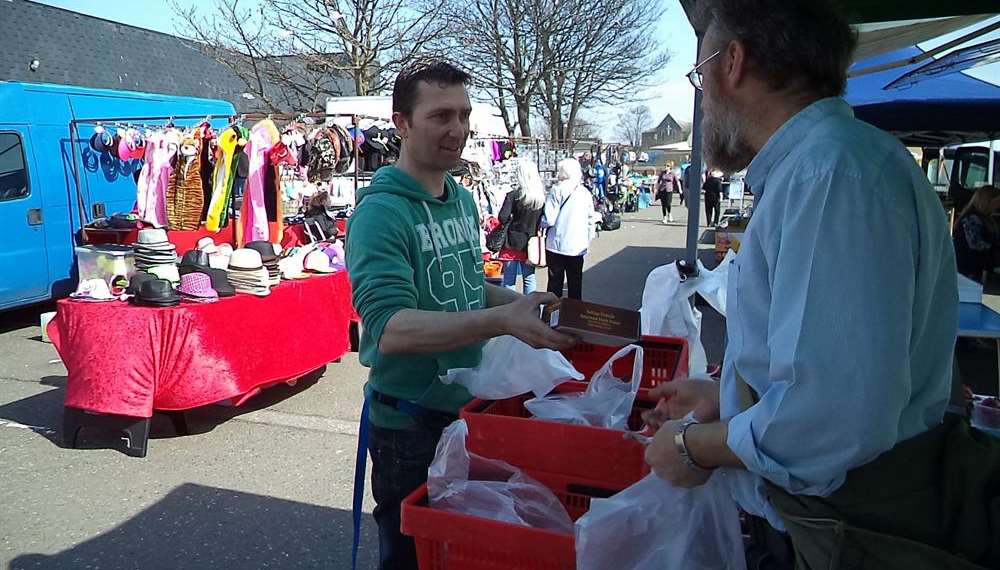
570,220
519,219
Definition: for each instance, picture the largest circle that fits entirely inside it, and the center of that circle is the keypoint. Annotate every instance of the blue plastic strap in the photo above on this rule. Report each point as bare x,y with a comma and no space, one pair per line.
359,482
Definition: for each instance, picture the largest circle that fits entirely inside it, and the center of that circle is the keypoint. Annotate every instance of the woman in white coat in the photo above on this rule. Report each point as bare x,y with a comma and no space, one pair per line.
570,219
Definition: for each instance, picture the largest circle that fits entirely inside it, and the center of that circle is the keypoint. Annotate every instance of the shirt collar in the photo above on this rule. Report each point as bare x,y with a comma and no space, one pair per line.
789,136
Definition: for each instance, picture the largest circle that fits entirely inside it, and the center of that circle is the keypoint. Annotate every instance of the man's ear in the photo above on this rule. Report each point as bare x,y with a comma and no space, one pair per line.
736,64
402,127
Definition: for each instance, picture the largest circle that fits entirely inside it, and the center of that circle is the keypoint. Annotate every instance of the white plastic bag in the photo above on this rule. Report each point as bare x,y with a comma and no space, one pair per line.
667,309
653,525
466,483
607,401
510,368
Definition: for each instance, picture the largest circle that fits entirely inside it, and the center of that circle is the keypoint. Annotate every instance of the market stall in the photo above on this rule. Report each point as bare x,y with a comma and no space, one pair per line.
130,361
181,301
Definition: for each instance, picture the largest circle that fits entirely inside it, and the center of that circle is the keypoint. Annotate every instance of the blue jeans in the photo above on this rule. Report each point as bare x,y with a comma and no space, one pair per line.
510,271
400,459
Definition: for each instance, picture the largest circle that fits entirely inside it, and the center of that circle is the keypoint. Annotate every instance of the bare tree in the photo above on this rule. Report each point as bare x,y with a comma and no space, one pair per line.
632,123
584,129
292,54
593,58
497,40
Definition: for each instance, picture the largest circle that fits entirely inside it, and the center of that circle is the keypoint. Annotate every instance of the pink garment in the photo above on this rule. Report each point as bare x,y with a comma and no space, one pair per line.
497,155
255,228
151,195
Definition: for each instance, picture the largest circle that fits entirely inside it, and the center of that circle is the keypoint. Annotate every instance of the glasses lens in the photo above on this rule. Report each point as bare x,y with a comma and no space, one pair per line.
695,78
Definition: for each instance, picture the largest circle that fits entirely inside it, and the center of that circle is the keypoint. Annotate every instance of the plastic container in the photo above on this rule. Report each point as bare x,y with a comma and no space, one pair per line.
504,429
451,541
664,359
104,262
45,319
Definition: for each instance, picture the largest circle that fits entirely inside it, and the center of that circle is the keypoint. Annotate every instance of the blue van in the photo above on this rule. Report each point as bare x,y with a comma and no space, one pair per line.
39,206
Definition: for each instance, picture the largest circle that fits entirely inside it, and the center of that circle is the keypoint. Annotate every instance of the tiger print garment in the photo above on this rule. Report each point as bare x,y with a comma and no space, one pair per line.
185,195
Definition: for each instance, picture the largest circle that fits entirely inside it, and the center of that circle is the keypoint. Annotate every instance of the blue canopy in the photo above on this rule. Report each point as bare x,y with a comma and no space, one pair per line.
926,111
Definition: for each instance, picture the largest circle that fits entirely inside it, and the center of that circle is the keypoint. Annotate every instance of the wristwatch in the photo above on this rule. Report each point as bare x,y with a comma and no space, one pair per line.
681,444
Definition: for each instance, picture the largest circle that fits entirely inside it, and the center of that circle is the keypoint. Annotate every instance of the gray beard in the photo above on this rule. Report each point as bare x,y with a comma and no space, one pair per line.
724,138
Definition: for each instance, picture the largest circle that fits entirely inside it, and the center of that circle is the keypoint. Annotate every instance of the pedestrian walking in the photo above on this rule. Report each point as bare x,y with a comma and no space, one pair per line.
521,215
571,218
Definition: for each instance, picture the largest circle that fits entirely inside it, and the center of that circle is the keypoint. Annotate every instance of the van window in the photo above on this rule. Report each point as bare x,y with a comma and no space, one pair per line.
973,170
13,173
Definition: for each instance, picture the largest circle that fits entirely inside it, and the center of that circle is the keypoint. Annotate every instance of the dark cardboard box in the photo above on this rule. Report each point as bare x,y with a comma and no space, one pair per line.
596,324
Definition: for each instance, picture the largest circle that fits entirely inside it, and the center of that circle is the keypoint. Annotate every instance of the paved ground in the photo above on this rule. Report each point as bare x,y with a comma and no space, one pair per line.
268,486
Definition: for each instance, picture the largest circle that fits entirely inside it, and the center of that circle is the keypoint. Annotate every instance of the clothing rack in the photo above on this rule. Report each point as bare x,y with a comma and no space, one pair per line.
168,120
74,134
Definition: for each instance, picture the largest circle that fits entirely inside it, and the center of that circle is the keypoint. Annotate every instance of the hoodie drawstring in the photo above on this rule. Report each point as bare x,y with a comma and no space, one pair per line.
472,241
430,230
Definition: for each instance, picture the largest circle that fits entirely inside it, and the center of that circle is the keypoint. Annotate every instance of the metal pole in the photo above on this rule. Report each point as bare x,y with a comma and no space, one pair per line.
357,154
694,176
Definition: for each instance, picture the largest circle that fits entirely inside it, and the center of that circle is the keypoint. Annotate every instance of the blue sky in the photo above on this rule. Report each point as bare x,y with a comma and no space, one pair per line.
673,94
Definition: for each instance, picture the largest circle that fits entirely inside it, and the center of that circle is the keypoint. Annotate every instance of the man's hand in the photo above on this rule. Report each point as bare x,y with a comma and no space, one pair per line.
667,463
521,319
678,398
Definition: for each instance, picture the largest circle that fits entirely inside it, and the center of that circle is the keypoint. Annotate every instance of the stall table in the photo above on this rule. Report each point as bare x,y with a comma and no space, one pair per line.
126,361
976,320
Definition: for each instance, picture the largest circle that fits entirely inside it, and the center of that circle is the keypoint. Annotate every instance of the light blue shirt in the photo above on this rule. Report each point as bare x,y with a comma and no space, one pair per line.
842,306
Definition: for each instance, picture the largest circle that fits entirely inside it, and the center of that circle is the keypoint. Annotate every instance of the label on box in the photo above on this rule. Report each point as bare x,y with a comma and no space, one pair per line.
596,324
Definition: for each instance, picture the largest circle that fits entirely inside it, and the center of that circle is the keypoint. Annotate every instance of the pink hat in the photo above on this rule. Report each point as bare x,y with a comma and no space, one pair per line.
198,286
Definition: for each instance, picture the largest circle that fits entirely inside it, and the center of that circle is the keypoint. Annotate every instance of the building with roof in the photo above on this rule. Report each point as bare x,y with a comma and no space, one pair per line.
111,55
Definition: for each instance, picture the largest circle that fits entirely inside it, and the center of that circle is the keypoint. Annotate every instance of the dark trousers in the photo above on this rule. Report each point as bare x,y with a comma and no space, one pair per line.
666,202
568,268
712,212
400,459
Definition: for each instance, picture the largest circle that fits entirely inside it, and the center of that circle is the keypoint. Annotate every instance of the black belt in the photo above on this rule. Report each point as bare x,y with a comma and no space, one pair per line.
429,418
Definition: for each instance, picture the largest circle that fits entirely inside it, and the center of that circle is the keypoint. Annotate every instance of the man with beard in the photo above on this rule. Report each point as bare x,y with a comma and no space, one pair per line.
417,275
841,318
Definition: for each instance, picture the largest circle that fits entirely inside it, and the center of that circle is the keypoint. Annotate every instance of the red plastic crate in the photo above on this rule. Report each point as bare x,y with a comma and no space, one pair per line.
451,541
504,429
664,359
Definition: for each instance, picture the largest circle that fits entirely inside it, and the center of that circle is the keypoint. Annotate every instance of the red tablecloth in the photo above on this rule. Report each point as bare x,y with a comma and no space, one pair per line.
130,360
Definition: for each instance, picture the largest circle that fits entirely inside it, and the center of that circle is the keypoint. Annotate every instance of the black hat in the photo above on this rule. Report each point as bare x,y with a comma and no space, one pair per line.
137,279
220,281
157,293
193,260
265,249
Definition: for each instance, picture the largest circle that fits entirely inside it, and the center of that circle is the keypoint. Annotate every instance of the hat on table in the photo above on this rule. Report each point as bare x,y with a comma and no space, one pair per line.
292,267
153,239
318,261
167,271
265,249
206,244
157,293
220,281
93,290
269,255
137,279
197,286
193,261
247,272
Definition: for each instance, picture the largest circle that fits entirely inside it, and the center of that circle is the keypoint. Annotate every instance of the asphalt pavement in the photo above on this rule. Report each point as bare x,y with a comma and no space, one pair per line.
267,485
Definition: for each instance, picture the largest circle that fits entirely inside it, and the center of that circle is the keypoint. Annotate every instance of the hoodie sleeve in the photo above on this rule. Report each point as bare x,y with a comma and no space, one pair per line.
379,265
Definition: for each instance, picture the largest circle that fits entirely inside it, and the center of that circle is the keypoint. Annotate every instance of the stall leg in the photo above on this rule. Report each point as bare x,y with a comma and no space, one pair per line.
134,431
179,421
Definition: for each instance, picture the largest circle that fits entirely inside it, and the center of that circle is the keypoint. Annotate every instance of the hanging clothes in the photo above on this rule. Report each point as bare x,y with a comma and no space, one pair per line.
262,138
185,197
222,179
151,196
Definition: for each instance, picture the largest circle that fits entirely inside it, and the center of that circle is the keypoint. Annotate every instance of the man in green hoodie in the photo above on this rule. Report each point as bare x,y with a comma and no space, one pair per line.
417,272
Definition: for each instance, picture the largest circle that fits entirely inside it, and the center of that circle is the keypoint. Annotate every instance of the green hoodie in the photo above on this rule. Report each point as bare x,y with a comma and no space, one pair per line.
409,250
